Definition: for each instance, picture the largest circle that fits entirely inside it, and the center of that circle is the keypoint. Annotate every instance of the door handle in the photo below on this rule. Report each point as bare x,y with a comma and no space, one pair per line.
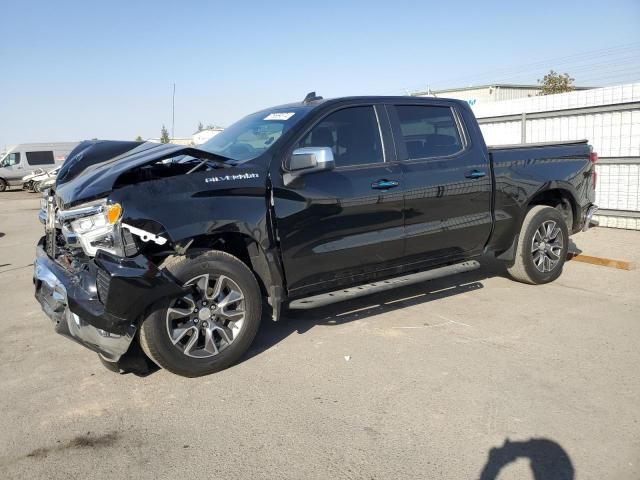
475,174
384,184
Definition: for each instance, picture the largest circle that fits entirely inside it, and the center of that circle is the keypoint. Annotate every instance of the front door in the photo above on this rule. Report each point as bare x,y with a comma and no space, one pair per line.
13,167
342,225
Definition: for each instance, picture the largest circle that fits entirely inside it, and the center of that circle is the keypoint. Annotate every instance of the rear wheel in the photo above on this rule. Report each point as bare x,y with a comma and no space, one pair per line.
210,327
542,246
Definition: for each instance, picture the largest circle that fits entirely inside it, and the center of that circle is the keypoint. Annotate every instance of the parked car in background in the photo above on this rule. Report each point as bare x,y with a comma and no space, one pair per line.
25,158
27,180
40,182
177,250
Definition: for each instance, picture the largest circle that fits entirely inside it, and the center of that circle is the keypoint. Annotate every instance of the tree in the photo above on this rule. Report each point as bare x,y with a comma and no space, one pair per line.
200,126
138,138
556,83
164,135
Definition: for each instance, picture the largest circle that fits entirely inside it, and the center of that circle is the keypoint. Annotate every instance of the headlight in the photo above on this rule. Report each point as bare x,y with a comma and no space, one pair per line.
107,216
98,228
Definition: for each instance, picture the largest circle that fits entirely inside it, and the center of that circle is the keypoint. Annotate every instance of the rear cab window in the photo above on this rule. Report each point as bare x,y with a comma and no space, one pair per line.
428,131
40,158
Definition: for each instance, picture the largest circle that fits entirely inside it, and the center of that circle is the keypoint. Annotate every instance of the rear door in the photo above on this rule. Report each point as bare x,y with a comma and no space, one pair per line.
447,183
342,225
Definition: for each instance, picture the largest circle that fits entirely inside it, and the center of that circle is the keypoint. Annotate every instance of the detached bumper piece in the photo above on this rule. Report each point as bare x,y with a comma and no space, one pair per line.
100,308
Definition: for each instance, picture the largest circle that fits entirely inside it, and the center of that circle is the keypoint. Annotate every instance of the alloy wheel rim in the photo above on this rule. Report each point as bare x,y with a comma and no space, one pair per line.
207,320
546,246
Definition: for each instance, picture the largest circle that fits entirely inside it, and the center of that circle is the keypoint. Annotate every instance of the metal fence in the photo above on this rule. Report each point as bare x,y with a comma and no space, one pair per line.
608,117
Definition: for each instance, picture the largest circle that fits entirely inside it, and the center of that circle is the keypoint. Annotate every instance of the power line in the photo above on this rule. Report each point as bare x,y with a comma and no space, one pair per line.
620,53
609,51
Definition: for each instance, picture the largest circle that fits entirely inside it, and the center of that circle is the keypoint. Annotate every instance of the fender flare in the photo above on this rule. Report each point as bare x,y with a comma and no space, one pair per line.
563,187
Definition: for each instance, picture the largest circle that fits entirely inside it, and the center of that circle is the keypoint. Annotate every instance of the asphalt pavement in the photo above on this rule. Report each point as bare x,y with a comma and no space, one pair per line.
466,377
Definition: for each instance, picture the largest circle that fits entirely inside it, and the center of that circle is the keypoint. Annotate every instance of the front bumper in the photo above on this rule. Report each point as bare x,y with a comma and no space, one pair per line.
101,307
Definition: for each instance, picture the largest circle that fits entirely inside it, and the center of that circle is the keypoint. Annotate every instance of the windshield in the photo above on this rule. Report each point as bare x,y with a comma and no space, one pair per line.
254,134
10,159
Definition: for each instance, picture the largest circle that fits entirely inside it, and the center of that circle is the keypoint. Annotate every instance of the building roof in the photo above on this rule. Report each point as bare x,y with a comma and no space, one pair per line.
214,128
512,86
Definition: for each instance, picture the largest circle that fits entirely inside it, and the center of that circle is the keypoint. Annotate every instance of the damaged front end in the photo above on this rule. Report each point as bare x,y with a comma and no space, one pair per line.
117,211
90,279
99,301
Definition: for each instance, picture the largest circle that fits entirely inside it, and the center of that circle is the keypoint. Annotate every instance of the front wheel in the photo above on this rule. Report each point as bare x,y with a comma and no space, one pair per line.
213,324
542,246
3,185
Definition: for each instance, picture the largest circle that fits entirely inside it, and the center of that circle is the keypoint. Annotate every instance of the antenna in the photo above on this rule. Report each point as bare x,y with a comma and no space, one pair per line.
311,97
173,112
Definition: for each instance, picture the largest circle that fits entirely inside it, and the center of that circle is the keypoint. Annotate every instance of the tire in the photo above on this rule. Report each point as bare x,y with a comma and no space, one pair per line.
3,185
220,346
545,263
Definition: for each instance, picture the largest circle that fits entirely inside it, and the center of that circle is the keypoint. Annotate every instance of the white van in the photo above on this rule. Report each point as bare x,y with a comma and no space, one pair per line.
23,159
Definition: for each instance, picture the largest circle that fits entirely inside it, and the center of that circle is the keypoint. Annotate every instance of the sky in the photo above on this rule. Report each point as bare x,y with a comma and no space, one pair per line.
72,70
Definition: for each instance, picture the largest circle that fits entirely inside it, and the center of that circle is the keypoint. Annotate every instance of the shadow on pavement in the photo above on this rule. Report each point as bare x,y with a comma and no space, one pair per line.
301,321
547,459
573,249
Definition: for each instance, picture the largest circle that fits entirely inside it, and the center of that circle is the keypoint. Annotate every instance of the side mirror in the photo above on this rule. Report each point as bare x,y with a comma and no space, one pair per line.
310,159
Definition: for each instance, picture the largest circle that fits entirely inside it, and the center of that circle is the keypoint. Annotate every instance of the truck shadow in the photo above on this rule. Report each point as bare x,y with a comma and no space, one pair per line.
340,313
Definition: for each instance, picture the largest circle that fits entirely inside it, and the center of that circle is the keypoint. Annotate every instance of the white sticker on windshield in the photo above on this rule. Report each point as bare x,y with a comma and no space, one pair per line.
280,116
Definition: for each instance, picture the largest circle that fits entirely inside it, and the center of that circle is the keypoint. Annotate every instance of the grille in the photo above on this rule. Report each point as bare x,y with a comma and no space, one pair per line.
103,281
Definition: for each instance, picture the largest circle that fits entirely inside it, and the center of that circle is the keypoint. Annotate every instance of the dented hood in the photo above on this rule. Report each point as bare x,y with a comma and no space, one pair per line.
93,167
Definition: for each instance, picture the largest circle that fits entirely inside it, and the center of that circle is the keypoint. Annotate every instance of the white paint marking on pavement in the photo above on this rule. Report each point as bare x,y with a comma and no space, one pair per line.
447,321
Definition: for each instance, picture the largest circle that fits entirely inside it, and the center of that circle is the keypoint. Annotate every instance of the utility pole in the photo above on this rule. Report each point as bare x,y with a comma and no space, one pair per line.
173,112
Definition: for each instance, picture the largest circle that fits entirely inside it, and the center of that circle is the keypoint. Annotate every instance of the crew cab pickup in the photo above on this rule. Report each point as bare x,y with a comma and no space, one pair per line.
173,253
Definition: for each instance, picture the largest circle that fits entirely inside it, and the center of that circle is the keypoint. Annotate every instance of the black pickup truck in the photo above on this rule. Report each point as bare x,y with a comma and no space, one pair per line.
174,253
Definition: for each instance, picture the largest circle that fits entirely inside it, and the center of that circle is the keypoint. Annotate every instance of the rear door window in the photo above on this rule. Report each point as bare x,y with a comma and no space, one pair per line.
40,158
428,131
352,134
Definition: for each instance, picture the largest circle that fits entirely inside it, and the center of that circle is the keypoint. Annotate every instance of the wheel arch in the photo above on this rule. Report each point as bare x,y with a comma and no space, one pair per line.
558,197
553,195
263,264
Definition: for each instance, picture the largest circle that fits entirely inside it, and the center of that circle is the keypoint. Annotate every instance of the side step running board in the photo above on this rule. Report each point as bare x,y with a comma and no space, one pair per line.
375,287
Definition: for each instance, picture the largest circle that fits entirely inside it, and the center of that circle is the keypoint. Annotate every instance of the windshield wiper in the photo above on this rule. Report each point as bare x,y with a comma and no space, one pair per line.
209,157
